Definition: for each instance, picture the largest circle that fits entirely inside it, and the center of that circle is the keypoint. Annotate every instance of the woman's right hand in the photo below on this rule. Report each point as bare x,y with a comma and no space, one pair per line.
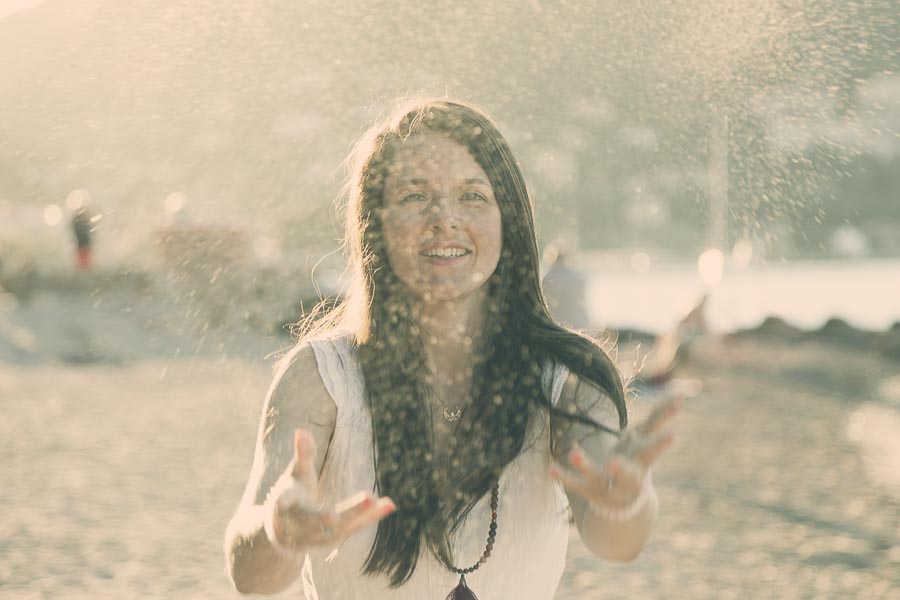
299,521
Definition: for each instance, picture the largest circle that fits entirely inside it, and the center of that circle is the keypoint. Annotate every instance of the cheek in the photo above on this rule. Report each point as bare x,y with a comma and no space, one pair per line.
491,233
400,241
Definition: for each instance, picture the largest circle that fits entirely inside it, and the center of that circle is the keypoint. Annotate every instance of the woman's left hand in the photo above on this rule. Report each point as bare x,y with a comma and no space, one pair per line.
617,481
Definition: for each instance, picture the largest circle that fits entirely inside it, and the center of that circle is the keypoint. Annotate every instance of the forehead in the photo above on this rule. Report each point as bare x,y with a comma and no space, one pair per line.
434,157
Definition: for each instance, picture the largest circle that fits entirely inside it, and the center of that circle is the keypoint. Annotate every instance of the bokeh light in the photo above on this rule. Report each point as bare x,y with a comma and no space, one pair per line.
710,266
77,199
742,253
52,215
640,262
175,202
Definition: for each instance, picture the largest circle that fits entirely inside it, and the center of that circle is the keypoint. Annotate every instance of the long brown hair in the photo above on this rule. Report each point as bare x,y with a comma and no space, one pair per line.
522,338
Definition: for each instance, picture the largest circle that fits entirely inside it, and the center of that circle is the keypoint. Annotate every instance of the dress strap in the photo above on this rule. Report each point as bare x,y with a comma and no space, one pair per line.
341,374
553,378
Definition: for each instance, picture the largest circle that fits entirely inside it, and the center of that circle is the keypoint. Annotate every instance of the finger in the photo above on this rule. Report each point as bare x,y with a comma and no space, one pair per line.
584,465
687,388
628,475
305,457
661,415
659,444
354,504
572,482
374,511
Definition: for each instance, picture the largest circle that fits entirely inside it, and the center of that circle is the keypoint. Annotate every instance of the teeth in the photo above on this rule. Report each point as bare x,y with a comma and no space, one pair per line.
445,252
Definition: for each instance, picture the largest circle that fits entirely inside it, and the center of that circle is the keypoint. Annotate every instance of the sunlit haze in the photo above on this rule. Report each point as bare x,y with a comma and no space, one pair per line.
716,204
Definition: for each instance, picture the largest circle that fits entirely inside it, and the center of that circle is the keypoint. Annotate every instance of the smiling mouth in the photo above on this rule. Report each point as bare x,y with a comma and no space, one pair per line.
445,253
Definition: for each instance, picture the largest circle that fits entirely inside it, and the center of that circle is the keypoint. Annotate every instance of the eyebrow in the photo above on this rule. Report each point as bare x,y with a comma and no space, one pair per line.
414,181
419,181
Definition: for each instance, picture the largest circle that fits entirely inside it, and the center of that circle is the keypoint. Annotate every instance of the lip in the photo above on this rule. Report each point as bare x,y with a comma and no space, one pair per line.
447,246
445,260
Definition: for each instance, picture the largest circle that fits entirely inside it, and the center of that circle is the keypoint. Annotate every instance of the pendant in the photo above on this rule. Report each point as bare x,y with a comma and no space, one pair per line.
452,416
462,591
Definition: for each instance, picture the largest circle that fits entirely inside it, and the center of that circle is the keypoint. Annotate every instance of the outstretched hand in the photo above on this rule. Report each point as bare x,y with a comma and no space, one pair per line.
617,482
300,521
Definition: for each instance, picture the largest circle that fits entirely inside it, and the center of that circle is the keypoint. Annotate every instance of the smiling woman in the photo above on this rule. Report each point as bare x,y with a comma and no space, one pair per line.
441,221
408,445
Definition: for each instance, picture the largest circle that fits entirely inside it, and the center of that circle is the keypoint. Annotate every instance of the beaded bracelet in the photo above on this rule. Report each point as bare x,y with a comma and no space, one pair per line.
626,513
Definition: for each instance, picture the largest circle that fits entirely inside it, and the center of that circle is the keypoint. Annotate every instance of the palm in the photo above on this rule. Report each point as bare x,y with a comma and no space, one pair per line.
300,521
618,479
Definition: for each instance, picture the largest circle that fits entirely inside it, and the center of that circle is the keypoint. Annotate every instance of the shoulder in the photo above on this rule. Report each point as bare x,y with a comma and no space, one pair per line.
305,364
297,367
297,393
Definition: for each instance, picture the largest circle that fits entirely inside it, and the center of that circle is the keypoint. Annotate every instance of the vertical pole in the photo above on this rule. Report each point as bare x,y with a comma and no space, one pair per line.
717,177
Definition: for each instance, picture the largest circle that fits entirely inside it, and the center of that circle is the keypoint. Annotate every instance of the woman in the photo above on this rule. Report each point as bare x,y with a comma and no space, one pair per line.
410,441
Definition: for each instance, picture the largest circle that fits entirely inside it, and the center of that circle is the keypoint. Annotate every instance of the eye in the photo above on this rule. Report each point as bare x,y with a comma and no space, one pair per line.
413,198
473,197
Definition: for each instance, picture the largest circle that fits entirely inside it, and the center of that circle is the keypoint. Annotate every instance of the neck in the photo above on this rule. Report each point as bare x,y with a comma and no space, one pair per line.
453,331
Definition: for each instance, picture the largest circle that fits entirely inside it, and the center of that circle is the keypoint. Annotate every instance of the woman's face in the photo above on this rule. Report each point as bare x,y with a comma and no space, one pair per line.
441,221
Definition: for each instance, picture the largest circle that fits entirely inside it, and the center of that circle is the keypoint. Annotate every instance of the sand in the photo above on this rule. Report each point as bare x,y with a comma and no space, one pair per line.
126,443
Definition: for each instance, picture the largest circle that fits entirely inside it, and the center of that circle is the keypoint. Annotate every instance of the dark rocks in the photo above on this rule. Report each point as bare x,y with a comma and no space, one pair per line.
835,331
772,327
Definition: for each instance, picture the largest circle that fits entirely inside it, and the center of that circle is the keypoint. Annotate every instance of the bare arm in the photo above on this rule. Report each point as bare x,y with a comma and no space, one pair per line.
296,399
608,539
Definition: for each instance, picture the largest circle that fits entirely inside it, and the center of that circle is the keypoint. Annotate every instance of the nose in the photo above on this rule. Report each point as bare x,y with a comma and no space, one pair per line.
442,214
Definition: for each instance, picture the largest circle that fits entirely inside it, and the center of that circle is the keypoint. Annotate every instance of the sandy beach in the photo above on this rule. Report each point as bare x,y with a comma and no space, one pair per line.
127,437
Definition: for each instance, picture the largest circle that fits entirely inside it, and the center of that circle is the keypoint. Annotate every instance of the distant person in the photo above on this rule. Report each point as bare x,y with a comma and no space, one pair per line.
427,436
671,347
83,228
565,290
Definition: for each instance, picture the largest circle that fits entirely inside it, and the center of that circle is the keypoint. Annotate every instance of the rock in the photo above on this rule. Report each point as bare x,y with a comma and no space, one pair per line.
773,328
889,342
839,331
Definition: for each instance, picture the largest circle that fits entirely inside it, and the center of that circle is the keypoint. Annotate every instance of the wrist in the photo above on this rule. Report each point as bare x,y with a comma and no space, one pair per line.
628,512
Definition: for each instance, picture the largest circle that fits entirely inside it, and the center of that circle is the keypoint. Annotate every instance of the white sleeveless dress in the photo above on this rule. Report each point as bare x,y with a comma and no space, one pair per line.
532,522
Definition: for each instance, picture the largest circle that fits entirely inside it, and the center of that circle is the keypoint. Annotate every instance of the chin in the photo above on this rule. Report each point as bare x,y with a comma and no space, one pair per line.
444,293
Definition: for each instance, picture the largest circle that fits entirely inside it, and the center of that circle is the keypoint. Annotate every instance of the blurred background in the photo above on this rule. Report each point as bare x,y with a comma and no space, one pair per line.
717,183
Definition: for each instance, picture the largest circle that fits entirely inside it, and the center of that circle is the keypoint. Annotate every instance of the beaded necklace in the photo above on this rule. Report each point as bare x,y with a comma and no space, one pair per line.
462,591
